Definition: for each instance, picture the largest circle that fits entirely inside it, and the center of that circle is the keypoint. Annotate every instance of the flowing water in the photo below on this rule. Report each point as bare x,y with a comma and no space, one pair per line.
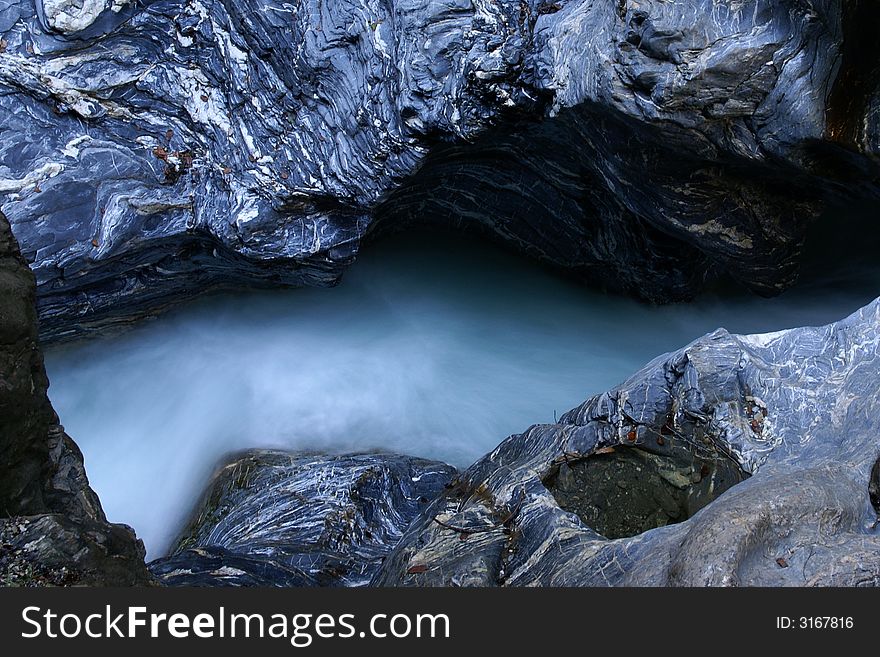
431,346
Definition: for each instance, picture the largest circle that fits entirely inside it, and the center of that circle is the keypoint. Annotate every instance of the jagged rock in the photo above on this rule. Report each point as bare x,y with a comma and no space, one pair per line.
274,518
52,527
154,150
24,406
59,549
796,410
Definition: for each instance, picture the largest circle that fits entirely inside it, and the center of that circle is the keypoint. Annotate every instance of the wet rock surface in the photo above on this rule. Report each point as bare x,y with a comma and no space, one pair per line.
154,150
797,410
273,518
52,528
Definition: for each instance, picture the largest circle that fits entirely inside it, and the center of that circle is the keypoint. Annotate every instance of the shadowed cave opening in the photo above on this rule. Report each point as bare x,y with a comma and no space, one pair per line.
858,75
874,487
624,491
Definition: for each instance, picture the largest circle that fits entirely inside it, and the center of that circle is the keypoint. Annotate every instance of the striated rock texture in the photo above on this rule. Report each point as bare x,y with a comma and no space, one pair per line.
279,519
153,150
797,410
52,527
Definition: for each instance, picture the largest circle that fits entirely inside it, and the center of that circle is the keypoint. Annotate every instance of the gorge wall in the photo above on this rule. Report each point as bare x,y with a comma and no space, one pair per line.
52,527
156,150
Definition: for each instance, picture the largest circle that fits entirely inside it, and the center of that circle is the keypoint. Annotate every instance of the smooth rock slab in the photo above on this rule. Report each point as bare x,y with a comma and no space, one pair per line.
274,518
797,409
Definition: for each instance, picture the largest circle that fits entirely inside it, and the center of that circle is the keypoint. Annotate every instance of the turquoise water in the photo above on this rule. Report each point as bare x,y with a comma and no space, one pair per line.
430,346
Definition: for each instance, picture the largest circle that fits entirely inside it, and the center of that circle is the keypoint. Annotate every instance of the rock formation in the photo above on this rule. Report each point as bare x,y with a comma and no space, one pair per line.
153,150
52,527
279,519
738,460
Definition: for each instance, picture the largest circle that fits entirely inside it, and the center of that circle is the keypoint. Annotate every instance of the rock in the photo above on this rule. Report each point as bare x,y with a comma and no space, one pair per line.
757,453
216,566
54,549
153,152
24,406
52,527
273,518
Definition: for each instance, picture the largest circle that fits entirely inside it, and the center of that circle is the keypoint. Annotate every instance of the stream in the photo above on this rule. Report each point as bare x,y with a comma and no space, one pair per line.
432,345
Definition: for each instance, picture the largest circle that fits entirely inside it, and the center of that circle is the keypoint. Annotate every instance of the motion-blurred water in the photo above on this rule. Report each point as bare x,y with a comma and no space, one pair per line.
431,346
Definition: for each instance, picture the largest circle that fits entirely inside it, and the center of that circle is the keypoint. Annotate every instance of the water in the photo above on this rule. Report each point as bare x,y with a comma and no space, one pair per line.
431,346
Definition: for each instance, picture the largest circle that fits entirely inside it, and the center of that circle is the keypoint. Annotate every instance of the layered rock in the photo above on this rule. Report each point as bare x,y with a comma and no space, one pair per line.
155,150
738,460
274,518
52,527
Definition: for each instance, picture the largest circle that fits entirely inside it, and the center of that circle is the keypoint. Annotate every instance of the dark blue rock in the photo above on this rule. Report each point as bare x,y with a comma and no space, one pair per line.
152,151
274,518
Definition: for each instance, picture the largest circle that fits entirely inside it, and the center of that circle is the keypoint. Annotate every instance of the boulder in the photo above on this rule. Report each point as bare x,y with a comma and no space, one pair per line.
272,518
